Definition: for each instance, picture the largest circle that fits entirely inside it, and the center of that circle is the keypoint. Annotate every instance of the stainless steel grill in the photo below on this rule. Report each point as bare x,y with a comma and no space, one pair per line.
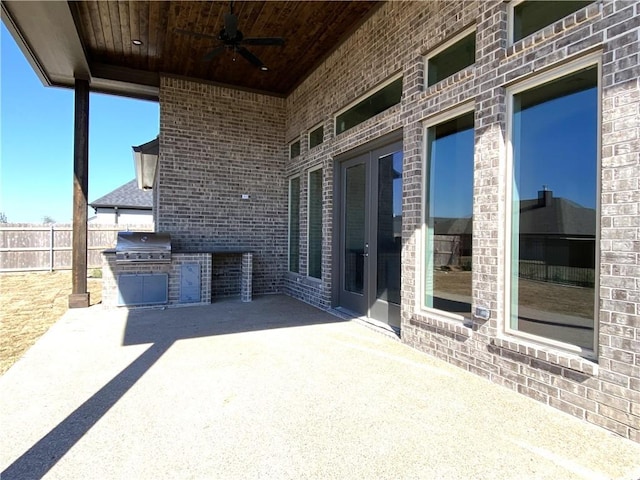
143,247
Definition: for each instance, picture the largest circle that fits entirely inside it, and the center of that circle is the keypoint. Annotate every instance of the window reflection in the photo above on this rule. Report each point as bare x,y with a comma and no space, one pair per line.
554,209
294,225
451,60
532,15
389,227
371,106
449,219
315,224
354,226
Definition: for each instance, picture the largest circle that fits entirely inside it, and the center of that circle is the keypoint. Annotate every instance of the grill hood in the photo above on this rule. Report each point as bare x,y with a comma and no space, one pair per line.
147,247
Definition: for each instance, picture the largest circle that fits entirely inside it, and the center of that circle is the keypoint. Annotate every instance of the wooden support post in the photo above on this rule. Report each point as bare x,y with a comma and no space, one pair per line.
79,296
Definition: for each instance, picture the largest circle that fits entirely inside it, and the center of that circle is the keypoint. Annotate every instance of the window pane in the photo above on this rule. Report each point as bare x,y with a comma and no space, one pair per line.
449,218
554,209
354,228
294,149
451,60
315,224
294,225
316,137
389,249
533,15
374,104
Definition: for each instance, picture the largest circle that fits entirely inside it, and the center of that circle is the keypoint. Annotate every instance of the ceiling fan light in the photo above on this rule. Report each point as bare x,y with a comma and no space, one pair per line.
136,42
264,68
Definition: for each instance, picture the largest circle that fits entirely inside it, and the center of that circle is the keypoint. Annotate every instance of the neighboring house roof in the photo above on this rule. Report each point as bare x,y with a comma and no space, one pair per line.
545,215
556,216
126,196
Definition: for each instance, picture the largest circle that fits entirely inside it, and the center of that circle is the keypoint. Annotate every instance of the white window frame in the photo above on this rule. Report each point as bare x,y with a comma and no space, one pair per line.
453,40
510,19
309,172
422,233
313,129
594,59
299,176
291,143
362,97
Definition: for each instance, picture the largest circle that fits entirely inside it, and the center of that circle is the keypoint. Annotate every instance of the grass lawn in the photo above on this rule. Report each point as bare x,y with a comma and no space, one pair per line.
31,303
557,298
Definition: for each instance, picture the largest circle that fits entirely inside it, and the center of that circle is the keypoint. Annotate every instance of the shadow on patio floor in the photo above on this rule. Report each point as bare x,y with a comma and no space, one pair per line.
225,317
162,328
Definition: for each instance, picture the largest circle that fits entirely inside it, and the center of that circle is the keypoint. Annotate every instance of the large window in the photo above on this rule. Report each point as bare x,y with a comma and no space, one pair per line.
452,57
315,224
449,214
385,97
554,140
530,16
294,225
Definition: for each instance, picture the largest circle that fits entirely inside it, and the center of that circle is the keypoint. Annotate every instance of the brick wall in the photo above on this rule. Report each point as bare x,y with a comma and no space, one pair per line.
364,60
395,39
215,145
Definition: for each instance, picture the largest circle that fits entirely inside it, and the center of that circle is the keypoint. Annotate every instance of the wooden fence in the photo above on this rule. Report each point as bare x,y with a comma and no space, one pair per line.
31,247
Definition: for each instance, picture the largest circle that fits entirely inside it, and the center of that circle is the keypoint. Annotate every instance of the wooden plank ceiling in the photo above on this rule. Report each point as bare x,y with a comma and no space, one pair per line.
310,29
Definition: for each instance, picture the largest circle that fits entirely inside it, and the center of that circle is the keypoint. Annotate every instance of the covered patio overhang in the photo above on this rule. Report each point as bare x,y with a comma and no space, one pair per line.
123,48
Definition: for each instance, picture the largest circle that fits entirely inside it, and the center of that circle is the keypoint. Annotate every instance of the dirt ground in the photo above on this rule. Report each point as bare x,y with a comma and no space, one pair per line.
31,303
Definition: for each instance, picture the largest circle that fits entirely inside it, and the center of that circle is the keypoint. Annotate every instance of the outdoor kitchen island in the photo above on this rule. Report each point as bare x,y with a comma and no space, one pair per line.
184,277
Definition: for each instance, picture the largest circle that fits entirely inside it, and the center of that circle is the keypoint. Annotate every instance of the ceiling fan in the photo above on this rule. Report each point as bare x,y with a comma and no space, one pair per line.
232,39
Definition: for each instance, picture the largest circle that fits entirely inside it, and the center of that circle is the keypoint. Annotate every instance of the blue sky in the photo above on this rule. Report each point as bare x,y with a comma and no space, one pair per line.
36,139
558,145
451,176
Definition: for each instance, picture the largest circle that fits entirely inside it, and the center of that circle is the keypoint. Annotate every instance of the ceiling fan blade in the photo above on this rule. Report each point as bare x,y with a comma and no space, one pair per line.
231,25
264,41
194,34
250,56
216,51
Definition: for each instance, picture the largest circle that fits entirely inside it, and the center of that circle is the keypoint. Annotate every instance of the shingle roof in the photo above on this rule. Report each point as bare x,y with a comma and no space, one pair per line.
561,217
126,196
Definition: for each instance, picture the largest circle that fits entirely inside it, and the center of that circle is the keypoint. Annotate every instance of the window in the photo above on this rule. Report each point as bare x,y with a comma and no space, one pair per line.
315,224
554,190
452,57
449,213
294,225
385,97
294,149
316,136
532,15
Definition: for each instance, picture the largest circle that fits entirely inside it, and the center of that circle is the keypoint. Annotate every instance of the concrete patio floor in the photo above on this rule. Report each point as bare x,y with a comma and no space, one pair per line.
273,389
